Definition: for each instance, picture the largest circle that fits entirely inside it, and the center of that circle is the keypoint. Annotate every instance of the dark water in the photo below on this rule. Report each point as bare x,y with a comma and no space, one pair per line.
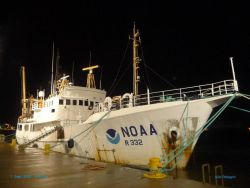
227,146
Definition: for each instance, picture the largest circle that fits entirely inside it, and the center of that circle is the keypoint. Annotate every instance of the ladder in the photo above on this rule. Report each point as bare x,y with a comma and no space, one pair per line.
40,137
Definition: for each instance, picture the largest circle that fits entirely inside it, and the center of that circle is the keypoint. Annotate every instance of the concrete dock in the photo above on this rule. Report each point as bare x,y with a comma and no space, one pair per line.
31,168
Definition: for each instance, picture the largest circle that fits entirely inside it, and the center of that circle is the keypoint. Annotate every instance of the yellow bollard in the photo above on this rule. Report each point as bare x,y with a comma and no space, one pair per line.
13,142
2,138
154,163
154,167
46,149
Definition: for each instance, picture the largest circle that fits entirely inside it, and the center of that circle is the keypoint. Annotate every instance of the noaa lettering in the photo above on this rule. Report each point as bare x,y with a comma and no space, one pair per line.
141,131
133,131
125,131
152,130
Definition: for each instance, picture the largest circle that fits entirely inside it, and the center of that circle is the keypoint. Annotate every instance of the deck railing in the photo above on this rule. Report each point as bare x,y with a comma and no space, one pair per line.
187,93
181,94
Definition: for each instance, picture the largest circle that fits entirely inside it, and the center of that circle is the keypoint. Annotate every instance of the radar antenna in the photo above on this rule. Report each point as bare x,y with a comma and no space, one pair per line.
90,77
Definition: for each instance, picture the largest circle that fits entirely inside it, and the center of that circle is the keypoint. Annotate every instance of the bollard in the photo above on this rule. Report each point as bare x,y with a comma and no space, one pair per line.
2,138
154,164
13,142
155,169
47,149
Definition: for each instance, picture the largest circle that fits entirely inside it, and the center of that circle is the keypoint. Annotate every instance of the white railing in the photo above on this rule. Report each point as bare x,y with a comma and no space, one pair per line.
182,94
187,93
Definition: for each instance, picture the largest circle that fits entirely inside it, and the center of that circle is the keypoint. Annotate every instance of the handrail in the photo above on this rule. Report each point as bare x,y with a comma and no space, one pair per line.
182,94
216,168
44,134
203,167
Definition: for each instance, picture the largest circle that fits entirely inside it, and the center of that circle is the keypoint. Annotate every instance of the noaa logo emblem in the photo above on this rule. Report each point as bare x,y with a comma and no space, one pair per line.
112,136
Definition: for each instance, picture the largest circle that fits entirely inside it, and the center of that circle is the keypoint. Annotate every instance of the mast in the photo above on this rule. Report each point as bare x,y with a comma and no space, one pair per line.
57,73
57,77
136,60
52,70
24,101
72,73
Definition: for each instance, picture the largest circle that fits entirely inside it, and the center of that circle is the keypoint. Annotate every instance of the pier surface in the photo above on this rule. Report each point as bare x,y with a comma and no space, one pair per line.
31,168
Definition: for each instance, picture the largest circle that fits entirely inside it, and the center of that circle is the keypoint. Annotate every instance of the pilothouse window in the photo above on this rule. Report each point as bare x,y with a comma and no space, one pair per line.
31,127
67,102
80,102
74,102
61,101
26,127
86,103
20,127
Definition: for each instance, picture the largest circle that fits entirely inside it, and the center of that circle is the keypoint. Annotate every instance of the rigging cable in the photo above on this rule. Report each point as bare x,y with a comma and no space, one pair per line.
119,69
166,81
110,92
146,72
241,109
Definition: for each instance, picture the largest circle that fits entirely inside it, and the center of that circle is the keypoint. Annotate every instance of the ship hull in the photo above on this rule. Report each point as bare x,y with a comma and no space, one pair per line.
133,135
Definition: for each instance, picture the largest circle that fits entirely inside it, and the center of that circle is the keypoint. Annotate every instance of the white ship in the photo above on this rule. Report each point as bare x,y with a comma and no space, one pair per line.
126,129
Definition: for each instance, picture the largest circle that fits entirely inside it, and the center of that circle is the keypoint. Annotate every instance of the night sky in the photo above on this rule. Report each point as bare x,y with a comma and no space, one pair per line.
186,42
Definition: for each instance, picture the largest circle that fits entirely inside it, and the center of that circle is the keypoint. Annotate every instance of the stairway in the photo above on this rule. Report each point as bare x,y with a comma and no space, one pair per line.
40,136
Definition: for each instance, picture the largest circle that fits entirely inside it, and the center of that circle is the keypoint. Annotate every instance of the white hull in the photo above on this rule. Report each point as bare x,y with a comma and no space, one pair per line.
137,133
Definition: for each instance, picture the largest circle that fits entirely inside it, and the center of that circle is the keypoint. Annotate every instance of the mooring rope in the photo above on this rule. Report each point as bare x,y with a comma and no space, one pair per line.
198,133
178,151
90,128
241,109
93,125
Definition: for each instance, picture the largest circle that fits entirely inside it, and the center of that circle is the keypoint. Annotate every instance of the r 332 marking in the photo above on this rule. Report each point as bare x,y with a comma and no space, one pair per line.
133,142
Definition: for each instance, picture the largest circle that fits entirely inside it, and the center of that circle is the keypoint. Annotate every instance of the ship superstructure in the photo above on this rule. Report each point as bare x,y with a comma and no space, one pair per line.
68,104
